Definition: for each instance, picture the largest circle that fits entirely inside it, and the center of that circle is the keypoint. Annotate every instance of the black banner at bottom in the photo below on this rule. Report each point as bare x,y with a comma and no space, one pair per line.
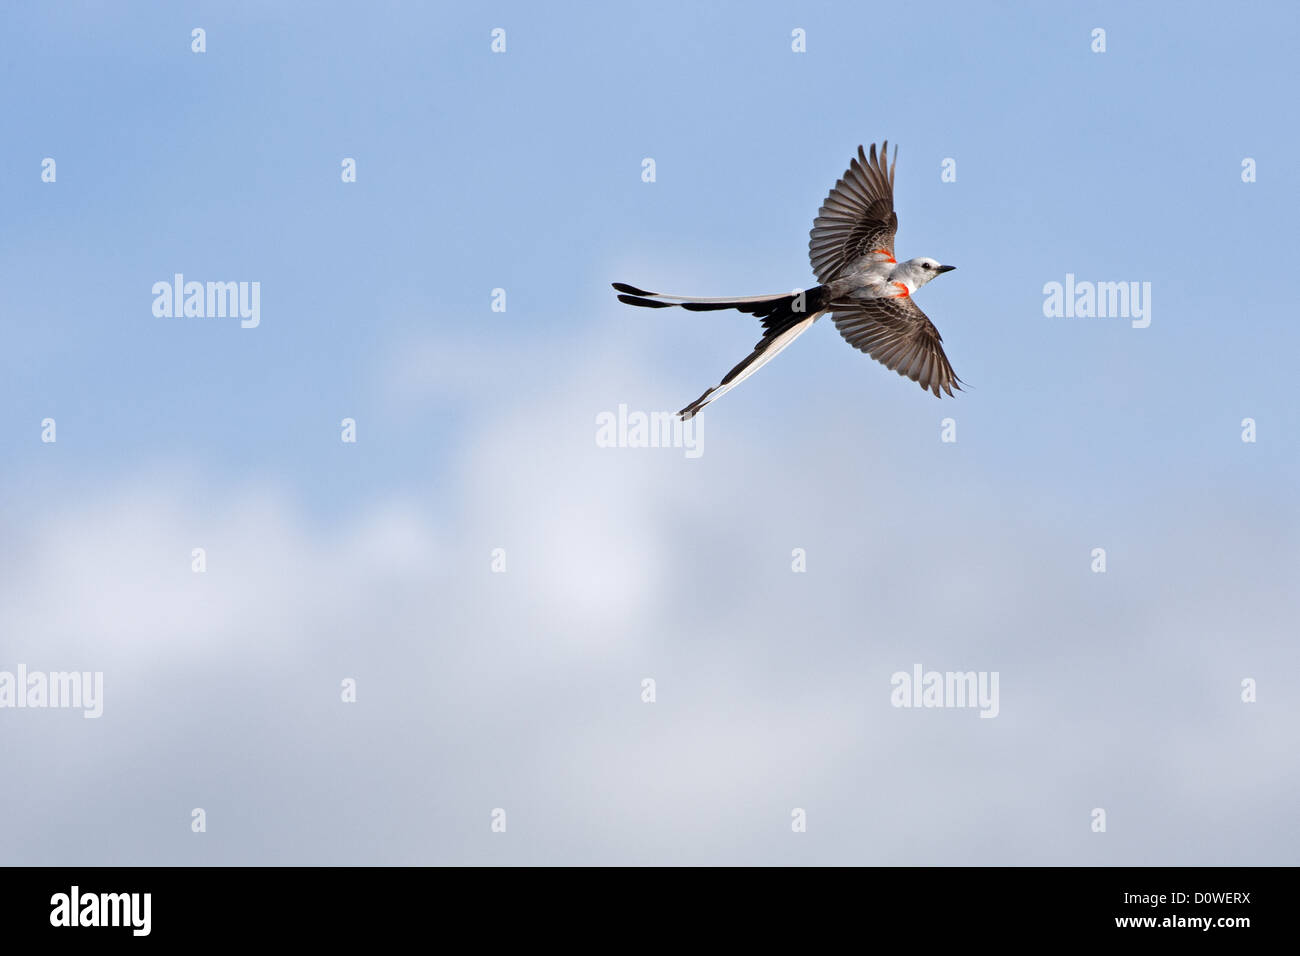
376,904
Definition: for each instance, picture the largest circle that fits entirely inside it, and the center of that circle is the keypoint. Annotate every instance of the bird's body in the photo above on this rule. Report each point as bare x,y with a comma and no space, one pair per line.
866,289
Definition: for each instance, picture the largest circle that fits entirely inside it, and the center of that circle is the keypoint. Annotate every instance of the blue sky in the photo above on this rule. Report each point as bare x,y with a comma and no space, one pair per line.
522,171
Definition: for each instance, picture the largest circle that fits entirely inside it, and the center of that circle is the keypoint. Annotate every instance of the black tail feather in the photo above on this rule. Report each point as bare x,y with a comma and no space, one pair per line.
647,303
693,409
780,314
777,312
709,306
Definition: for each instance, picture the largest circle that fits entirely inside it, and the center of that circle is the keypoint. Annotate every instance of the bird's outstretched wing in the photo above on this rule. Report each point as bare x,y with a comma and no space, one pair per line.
898,335
857,217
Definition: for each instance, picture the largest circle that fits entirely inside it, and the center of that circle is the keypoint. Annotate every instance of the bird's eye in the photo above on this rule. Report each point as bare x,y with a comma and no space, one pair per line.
925,265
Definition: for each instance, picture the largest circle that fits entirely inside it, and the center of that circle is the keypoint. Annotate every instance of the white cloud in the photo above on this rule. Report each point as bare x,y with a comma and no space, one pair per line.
522,689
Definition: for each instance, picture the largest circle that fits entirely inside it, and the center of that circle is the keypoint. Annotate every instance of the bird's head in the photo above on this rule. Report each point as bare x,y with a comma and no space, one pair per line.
922,270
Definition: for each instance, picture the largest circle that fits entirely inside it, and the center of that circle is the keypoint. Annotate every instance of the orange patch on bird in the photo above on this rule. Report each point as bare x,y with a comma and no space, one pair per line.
889,256
902,295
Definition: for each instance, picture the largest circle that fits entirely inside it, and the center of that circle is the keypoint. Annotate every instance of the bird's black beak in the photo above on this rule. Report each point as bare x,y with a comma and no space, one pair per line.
942,269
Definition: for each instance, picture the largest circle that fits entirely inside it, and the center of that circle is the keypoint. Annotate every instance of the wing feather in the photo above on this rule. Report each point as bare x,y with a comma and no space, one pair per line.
857,216
896,333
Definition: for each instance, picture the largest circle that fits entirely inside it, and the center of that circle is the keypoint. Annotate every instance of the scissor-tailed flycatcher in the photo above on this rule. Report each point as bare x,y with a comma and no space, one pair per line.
866,289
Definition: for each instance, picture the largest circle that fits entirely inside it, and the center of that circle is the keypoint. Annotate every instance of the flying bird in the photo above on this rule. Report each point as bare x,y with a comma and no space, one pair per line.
867,291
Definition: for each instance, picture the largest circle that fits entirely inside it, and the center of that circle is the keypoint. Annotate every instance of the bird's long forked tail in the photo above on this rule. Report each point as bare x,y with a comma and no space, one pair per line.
785,317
